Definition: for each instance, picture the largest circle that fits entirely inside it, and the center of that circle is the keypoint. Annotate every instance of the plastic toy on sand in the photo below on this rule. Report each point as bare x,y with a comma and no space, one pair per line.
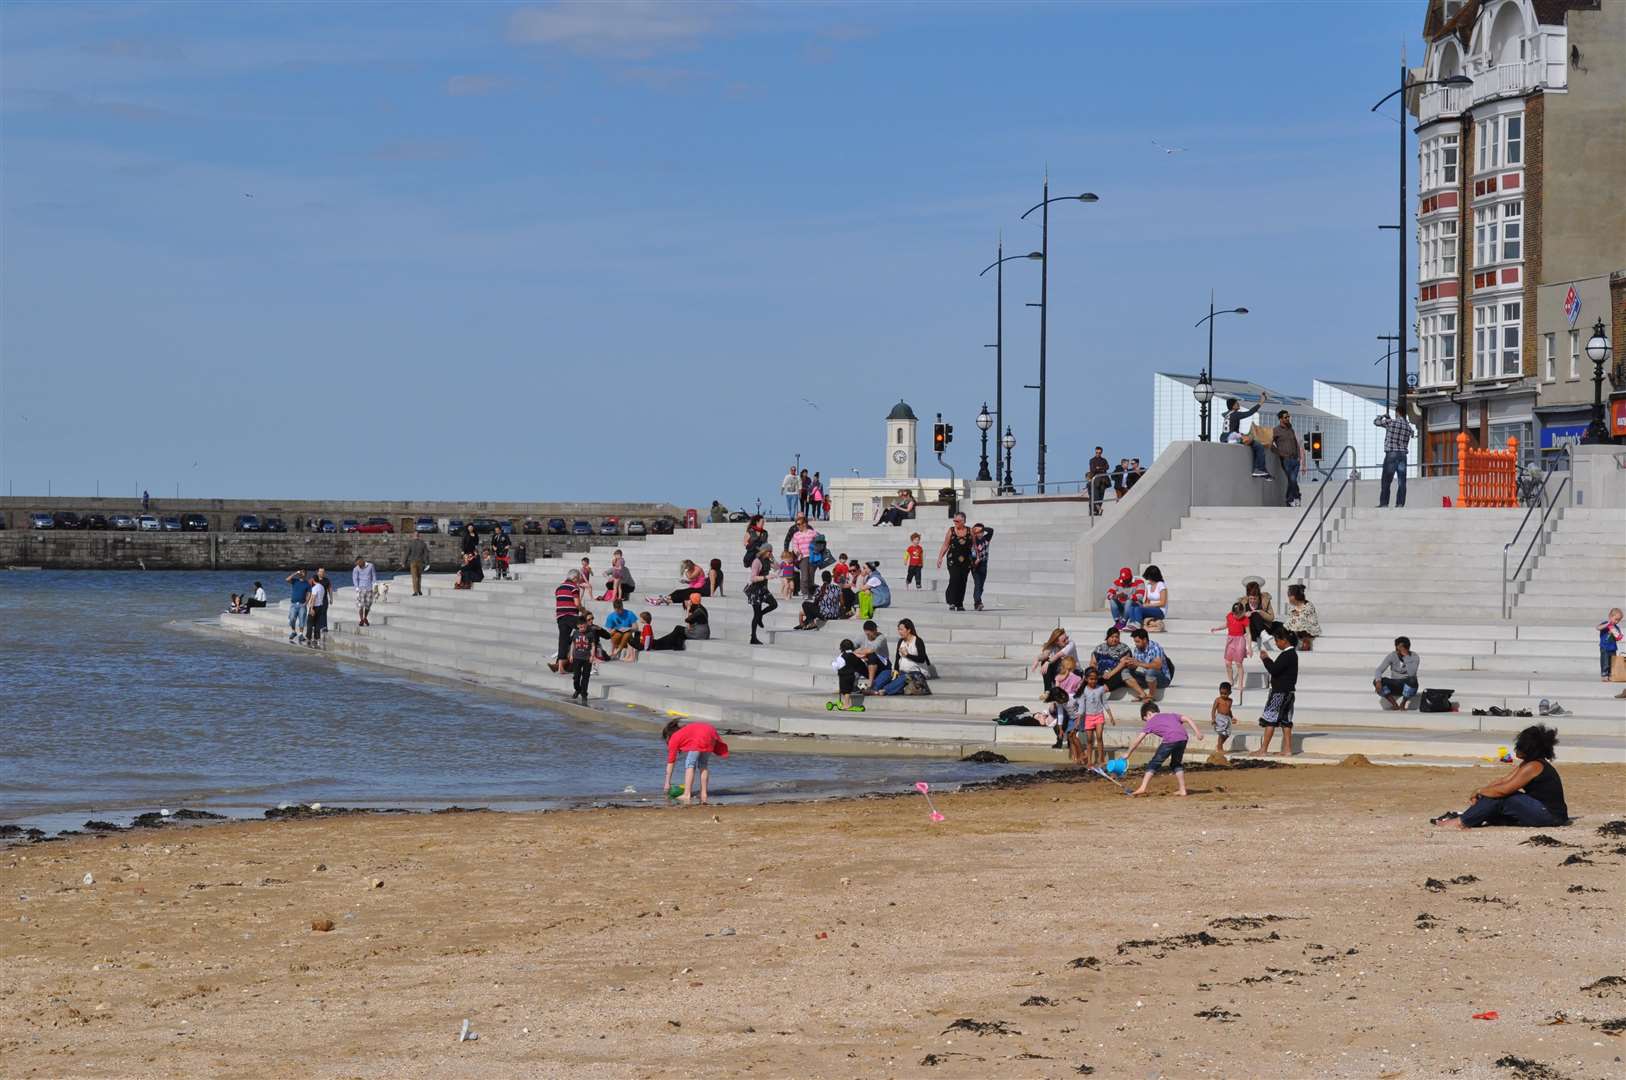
1118,766
675,791
925,789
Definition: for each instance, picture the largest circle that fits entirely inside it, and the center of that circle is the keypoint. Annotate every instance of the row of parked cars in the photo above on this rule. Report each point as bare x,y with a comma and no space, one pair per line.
67,519
246,523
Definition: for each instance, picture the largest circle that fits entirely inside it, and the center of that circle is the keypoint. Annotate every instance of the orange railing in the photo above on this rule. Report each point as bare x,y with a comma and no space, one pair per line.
1487,477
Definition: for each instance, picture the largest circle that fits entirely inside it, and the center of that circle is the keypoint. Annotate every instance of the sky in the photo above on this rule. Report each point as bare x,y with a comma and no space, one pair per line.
650,250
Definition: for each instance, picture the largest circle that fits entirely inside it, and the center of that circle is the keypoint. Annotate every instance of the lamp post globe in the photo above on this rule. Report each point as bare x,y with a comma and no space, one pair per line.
1008,441
1204,393
984,422
1597,350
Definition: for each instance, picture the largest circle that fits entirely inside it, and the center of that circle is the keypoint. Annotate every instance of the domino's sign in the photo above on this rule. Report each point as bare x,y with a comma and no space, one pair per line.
1572,306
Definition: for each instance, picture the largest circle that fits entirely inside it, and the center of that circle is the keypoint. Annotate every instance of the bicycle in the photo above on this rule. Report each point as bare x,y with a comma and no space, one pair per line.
1532,488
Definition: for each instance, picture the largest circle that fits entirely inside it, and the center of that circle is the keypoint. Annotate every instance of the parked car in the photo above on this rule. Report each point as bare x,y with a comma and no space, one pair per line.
531,527
610,527
557,527
326,526
454,526
247,523
662,526
376,525
349,525
148,523
170,524
122,521
581,528
95,521
425,525
67,519
483,525
41,521
195,523
635,527
273,525
506,526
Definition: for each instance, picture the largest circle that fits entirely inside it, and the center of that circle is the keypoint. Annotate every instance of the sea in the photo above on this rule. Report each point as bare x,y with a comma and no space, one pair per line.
112,704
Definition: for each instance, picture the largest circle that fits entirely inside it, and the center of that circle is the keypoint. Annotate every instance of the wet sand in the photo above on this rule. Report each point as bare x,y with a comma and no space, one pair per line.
1291,922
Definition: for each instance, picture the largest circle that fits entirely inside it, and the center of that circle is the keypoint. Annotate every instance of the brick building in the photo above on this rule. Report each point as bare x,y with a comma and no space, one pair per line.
1521,221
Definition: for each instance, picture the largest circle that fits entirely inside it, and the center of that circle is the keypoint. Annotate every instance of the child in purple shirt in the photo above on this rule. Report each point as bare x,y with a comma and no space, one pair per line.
1170,729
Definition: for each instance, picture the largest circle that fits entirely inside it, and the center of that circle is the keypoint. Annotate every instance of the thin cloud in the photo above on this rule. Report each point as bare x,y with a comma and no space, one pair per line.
475,85
620,29
419,150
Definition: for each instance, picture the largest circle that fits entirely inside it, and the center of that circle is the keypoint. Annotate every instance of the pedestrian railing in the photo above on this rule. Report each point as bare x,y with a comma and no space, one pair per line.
1539,537
1319,535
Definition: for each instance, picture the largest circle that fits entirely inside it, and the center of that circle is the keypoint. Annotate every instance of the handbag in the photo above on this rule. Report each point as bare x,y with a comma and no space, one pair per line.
915,685
1435,700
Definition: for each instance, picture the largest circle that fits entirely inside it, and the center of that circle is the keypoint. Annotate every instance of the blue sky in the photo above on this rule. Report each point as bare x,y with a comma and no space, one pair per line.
568,250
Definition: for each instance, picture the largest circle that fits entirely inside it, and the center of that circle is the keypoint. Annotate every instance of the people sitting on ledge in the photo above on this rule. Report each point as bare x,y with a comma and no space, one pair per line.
897,510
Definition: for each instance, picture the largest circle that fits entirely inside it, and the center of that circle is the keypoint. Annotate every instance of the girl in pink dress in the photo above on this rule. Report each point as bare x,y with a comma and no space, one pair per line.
1237,649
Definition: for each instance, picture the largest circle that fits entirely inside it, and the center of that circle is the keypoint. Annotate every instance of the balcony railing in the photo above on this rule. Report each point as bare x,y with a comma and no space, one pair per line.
1506,79
1441,101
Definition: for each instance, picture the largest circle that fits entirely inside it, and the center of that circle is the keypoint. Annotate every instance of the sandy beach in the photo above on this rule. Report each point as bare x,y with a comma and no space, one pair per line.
1286,922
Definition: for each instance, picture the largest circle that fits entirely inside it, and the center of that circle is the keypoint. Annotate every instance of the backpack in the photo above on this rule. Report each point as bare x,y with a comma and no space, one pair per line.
1016,716
915,685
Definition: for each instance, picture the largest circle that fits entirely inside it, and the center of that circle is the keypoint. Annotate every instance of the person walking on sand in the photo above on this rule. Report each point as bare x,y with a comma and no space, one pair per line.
699,742
417,561
1219,714
1170,730
362,578
1284,680
791,488
957,548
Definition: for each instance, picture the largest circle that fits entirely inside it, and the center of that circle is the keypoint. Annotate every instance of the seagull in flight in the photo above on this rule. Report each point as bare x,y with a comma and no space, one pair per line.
810,401
1169,149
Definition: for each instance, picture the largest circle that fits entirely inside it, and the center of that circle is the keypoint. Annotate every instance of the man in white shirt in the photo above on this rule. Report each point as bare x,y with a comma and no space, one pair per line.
363,577
791,488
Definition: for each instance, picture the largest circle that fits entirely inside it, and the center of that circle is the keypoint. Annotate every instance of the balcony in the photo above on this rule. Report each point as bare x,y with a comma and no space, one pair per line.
1504,80
1440,102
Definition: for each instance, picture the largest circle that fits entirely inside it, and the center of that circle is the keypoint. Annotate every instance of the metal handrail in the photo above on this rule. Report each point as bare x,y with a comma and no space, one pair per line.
1349,477
1547,506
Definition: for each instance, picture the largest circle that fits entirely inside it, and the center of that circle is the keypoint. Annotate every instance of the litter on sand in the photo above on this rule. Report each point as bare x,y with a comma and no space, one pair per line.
466,1035
1489,1014
926,790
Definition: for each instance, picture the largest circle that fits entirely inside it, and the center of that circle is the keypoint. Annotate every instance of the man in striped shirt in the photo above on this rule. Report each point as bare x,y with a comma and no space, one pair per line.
567,610
1397,435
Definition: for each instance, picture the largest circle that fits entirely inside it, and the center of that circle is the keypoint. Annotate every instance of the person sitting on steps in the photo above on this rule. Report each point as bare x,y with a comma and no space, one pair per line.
1395,680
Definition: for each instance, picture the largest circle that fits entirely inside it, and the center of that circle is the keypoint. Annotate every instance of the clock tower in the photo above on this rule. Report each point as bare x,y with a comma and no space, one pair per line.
900,443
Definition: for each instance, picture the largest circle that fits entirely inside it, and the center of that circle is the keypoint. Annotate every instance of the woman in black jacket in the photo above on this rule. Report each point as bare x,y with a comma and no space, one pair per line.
1284,680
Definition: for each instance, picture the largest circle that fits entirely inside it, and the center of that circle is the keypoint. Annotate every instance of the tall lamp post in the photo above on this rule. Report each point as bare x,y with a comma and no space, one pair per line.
1597,350
984,422
1044,294
1208,372
1009,443
1400,227
1000,259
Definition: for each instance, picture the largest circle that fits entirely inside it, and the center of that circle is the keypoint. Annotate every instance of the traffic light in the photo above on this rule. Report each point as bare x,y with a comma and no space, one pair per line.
948,433
939,437
1315,445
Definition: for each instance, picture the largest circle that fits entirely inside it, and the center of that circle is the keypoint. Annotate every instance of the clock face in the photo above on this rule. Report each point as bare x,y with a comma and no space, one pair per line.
899,456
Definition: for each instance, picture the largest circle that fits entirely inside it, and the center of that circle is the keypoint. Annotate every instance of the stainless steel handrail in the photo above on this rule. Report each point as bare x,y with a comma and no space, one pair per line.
1547,506
1354,470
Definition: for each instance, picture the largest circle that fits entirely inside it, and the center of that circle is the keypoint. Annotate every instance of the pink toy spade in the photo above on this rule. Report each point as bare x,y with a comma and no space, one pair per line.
925,789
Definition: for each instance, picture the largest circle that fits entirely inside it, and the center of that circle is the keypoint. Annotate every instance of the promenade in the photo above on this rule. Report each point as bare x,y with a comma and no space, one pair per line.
1429,573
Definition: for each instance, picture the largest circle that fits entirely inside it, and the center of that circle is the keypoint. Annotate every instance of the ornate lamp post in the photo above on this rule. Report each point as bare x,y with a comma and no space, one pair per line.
1208,372
1009,443
1204,393
984,422
1597,350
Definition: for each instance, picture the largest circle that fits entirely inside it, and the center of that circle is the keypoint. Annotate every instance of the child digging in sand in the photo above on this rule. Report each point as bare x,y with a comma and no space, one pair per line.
847,666
1170,729
699,741
1219,714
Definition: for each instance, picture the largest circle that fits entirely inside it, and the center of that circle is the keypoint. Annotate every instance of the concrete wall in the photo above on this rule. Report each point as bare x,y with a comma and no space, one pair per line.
1187,474
222,513
1598,475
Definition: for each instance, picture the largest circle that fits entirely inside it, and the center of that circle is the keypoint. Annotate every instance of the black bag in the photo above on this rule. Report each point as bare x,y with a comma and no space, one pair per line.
1436,701
1017,716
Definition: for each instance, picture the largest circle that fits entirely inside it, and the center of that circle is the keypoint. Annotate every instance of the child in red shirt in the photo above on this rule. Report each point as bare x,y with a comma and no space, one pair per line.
646,631
699,741
915,558
1237,649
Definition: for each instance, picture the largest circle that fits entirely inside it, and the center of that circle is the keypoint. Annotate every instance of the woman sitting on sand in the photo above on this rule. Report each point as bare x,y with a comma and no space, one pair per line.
1531,795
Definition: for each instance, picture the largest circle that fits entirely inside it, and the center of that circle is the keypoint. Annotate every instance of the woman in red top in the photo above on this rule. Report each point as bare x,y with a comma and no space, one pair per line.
699,741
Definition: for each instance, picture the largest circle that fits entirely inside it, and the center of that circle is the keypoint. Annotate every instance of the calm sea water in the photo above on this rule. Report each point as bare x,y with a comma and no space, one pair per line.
109,709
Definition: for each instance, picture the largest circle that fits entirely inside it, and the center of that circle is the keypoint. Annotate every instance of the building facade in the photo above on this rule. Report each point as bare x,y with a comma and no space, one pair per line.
1175,416
1521,224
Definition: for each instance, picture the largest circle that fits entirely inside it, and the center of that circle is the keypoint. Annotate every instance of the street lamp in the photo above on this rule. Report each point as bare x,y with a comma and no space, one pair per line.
1009,443
1400,226
1208,372
1044,294
984,422
1000,260
1597,350
1204,393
